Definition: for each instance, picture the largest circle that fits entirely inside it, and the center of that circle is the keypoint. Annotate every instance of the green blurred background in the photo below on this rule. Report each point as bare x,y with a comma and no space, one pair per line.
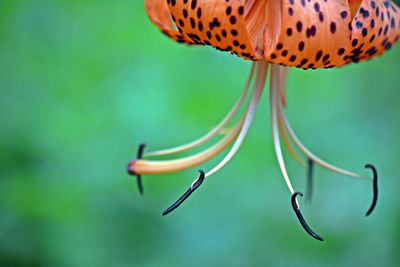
82,83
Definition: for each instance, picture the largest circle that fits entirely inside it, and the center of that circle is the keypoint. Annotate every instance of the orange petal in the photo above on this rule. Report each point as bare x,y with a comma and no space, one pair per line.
311,34
228,25
297,33
159,14
375,29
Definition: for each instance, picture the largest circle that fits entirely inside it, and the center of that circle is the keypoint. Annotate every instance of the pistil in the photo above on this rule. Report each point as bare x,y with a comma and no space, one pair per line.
137,167
217,129
238,133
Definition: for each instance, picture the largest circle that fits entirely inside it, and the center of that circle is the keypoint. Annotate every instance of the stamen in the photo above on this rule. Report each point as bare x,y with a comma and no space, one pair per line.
310,172
274,91
258,90
239,132
191,189
240,129
375,188
311,156
296,140
301,218
283,72
168,166
131,171
288,144
215,130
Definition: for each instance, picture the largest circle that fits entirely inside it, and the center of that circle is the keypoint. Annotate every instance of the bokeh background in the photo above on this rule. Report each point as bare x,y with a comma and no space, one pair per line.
82,83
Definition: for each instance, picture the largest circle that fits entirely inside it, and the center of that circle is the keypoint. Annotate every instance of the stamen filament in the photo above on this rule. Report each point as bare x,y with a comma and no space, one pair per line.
168,166
238,132
274,91
310,178
259,85
283,72
217,129
287,142
296,140
313,157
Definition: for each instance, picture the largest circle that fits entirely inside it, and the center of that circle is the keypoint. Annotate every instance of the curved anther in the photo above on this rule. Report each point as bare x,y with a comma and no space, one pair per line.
310,176
191,189
131,170
301,218
375,188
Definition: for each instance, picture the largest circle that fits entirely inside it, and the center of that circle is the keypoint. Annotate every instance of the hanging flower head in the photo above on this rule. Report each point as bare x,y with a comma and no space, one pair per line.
275,35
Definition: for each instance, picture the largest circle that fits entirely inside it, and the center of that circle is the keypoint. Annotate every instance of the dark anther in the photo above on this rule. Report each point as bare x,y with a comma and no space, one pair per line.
138,176
375,188
191,189
310,172
301,218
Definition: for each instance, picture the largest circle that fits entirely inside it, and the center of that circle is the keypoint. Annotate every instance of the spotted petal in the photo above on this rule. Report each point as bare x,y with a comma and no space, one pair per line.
159,14
296,33
375,28
312,34
229,25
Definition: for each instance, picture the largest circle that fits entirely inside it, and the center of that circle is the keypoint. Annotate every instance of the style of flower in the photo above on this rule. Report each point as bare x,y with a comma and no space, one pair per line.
275,35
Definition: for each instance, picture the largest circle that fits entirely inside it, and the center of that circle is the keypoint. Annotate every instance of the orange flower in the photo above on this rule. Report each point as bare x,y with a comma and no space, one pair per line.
275,34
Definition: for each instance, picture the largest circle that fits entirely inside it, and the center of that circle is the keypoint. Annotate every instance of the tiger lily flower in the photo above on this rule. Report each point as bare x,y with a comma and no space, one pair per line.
275,35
